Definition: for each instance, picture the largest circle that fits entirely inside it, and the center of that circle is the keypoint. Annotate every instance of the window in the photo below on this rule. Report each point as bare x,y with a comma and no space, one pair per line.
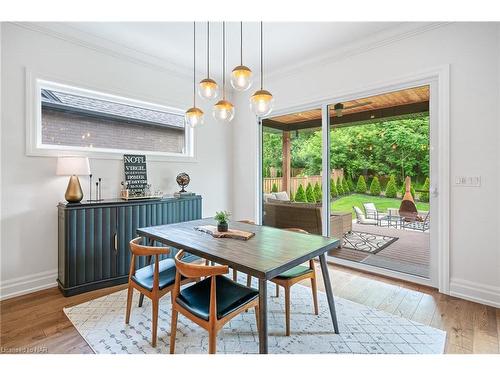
74,120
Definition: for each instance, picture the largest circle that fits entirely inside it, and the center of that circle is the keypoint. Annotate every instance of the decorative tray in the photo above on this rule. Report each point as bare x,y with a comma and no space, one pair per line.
142,197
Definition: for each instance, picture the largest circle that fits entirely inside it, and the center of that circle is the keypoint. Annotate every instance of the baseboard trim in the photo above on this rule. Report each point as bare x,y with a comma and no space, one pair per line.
475,292
27,284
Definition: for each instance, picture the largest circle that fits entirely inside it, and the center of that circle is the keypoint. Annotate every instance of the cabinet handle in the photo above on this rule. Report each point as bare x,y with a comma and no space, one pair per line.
116,243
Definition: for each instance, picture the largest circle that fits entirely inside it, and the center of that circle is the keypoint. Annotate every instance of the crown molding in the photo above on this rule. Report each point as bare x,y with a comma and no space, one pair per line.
67,33
378,40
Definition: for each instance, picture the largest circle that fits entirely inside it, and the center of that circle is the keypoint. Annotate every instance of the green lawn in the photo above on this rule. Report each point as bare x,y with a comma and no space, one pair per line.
382,203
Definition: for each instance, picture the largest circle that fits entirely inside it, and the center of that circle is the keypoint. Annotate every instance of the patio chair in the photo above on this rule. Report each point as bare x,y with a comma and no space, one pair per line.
421,225
361,218
371,211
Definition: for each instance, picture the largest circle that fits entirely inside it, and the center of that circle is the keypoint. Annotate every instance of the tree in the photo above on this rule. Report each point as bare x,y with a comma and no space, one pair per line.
310,194
361,185
375,187
391,190
350,183
345,186
274,189
424,196
300,195
318,194
333,189
340,188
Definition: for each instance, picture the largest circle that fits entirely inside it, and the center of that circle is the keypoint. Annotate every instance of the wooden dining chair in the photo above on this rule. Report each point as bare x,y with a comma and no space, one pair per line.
153,281
288,278
210,303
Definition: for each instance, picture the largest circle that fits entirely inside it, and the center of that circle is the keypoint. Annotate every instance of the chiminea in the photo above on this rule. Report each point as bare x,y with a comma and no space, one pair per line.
407,209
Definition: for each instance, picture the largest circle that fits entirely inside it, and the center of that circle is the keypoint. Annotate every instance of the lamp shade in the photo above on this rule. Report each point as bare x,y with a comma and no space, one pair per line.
72,165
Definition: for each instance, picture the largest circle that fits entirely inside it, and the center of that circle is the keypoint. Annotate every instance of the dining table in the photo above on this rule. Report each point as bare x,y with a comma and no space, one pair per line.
270,252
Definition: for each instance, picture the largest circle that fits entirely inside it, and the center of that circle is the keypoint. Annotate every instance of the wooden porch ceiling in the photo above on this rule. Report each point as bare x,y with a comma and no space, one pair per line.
393,104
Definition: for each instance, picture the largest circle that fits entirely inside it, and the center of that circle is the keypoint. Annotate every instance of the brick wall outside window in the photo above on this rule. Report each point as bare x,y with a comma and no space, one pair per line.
80,130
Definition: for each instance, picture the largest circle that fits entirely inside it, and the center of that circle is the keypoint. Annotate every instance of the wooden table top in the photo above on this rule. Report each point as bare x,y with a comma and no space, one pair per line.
270,252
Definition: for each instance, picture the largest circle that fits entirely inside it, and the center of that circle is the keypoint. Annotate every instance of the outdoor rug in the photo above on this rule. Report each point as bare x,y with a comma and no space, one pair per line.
367,242
363,329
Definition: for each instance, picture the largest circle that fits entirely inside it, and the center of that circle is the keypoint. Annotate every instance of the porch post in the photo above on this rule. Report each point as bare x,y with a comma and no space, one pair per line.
286,163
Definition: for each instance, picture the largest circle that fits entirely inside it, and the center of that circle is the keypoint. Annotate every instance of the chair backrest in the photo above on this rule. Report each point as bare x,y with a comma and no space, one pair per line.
359,213
298,230
141,250
246,221
369,207
192,270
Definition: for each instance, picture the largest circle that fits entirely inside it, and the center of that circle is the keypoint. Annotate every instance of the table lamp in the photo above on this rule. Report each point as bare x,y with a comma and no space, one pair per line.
73,166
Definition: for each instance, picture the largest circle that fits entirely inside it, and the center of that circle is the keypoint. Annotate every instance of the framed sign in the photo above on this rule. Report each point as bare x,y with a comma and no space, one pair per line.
136,175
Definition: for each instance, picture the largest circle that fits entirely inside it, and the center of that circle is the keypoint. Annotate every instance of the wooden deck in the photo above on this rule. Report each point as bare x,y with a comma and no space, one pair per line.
409,254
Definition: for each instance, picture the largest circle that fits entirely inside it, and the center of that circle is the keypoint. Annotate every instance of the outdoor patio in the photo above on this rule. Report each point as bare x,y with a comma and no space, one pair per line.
409,253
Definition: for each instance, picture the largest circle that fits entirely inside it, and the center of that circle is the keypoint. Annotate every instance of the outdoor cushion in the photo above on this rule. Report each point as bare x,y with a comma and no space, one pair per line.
359,213
144,276
230,296
268,196
282,196
294,272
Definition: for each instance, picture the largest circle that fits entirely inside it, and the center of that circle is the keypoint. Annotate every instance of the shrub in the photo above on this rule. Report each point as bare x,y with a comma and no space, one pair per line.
292,198
350,184
424,196
300,195
340,189
274,189
361,185
345,186
375,187
391,190
318,194
310,193
333,189
412,190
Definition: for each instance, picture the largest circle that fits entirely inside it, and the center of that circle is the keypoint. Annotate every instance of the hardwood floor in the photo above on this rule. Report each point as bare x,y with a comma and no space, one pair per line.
36,322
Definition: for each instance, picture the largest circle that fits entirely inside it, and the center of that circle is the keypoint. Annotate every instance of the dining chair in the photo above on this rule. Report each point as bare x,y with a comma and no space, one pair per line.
288,278
154,280
211,302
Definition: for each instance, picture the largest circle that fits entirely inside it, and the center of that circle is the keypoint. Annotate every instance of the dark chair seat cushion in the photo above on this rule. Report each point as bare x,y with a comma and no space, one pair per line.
230,296
294,272
144,276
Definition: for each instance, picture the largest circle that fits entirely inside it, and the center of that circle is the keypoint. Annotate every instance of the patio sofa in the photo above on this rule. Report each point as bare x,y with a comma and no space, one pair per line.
306,216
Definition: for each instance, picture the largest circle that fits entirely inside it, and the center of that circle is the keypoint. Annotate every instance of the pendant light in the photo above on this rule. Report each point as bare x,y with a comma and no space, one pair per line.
223,109
194,115
241,76
262,100
208,88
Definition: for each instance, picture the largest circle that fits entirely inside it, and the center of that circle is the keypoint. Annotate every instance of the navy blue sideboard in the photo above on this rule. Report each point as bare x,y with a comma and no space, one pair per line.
93,249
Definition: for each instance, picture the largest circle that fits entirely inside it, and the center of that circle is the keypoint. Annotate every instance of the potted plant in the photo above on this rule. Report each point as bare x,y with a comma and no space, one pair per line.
222,217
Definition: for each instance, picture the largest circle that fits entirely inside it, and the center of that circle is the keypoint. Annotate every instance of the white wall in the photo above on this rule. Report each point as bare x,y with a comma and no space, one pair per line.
472,50
30,190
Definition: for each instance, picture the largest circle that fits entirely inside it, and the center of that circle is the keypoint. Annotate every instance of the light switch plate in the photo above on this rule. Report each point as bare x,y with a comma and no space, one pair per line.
468,181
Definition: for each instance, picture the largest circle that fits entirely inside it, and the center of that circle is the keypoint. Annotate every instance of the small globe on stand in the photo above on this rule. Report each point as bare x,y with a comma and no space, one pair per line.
183,181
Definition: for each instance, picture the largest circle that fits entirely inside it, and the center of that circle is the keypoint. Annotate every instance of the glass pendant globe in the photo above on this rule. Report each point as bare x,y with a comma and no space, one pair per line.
208,89
223,111
194,117
241,78
261,102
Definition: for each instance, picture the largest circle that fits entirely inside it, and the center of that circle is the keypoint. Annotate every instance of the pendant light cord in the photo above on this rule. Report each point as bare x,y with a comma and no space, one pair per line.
223,60
261,59
208,49
194,64
241,43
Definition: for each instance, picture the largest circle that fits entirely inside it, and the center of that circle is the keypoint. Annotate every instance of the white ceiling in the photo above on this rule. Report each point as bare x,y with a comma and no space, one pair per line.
285,44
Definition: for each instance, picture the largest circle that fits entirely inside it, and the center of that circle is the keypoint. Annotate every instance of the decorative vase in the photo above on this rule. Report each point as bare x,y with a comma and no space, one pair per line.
222,227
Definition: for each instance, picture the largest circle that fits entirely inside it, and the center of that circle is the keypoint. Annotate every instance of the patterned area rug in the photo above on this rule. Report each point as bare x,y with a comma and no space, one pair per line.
367,242
101,322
